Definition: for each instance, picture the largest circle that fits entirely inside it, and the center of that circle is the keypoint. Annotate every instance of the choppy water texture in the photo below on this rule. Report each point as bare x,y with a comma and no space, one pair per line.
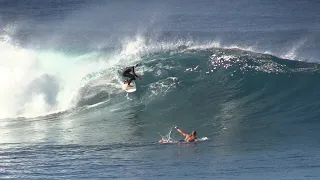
243,74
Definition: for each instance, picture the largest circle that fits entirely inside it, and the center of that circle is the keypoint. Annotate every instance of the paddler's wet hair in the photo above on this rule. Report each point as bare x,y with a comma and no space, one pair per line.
194,133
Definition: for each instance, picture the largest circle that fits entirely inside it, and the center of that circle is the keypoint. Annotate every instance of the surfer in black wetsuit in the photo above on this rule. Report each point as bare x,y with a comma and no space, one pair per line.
130,73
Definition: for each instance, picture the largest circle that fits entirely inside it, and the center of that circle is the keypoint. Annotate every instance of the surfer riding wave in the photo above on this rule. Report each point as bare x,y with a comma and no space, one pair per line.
129,72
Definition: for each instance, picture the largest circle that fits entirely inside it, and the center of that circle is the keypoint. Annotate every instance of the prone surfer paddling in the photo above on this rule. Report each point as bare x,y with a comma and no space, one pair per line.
130,73
188,137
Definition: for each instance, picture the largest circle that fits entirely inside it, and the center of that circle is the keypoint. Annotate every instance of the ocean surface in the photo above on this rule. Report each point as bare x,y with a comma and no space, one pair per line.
243,74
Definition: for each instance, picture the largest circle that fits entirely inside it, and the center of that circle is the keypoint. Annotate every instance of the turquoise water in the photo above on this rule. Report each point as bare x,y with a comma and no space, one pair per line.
242,74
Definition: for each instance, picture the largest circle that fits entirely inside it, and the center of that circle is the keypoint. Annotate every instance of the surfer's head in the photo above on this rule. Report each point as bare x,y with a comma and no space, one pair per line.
194,133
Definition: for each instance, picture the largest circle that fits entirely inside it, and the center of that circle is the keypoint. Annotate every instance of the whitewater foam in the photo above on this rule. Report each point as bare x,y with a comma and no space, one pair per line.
39,82
293,52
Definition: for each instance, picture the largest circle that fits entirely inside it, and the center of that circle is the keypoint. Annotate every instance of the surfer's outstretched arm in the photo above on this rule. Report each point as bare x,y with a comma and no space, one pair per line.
180,131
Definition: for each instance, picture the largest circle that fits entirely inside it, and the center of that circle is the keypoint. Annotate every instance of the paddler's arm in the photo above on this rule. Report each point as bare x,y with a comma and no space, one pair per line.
180,131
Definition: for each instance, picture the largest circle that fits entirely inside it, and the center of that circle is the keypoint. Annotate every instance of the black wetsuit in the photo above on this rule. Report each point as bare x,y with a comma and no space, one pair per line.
132,76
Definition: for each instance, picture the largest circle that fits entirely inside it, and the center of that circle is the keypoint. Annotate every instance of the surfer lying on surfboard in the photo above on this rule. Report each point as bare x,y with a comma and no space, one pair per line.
130,73
188,137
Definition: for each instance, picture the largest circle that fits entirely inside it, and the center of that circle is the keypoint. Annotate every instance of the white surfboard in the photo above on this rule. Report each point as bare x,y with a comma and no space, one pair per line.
129,89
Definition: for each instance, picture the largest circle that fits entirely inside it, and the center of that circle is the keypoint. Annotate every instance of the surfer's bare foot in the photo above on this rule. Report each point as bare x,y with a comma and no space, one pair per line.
129,85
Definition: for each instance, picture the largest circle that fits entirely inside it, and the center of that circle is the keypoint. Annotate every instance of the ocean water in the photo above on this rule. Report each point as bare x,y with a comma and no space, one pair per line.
243,74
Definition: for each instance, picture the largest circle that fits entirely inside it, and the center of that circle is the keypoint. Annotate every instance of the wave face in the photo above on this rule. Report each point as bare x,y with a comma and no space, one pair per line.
228,89
200,81
243,74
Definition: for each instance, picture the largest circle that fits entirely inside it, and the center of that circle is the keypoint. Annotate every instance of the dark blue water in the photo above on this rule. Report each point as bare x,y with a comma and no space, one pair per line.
243,74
